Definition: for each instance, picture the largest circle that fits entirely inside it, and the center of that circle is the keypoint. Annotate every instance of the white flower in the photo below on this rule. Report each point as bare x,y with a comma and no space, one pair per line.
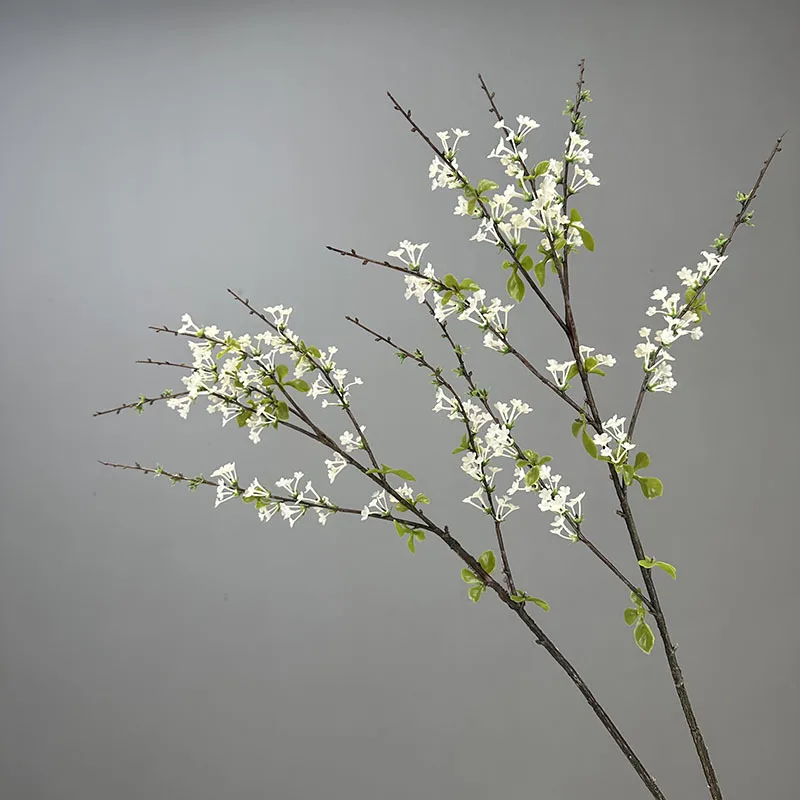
292,512
559,371
280,315
412,251
476,499
377,505
255,489
504,508
350,442
227,486
289,484
335,465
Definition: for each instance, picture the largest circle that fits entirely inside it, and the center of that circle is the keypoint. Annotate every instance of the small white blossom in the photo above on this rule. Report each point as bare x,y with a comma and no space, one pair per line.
335,465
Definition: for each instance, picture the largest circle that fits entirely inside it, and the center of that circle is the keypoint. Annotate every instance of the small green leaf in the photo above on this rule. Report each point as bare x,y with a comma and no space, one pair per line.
299,384
282,371
450,281
487,561
476,591
314,351
651,487
532,476
644,636
515,286
401,473
242,417
463,446
578,426
668,568
627,474
574,216
401,529
543,604
539,271
588,445
541,168
282,411
572,372
485,185
642,461
468,576
587,239
469,285
527,263
411,545
471,204
423,498
631,615
520,249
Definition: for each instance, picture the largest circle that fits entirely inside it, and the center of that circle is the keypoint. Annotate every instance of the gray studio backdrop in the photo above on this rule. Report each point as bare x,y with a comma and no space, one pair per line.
154,154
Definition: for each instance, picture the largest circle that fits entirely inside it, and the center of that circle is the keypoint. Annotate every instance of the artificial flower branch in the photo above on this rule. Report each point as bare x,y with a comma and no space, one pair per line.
418,357
251,388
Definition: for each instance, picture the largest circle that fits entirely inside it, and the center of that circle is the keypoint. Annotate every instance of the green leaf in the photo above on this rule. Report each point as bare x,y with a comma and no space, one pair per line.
636,600
539,271
642,460
282,371
411,545
627,474
574,216
520,249
668,568
572,372
487,561
578,426
242,417
469,285
588,445
587,239
401,473
515,286
423,498
450,281
541,168
649,563
476,591
543,604
468,576
314,351
590,363
299,384
644,636
471,204
527,263
282,411
631,615
485,185
401,529
651,487
463,446
532,476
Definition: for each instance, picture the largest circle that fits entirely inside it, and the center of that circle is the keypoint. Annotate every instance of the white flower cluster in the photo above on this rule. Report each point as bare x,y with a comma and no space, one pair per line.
491,318
553,498
241,377
444,177
679,322
496,442
379,505
545,212
562,371
614,436
267,505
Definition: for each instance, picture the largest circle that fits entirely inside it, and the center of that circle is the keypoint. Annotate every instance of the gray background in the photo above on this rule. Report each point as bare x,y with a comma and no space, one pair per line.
154,154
